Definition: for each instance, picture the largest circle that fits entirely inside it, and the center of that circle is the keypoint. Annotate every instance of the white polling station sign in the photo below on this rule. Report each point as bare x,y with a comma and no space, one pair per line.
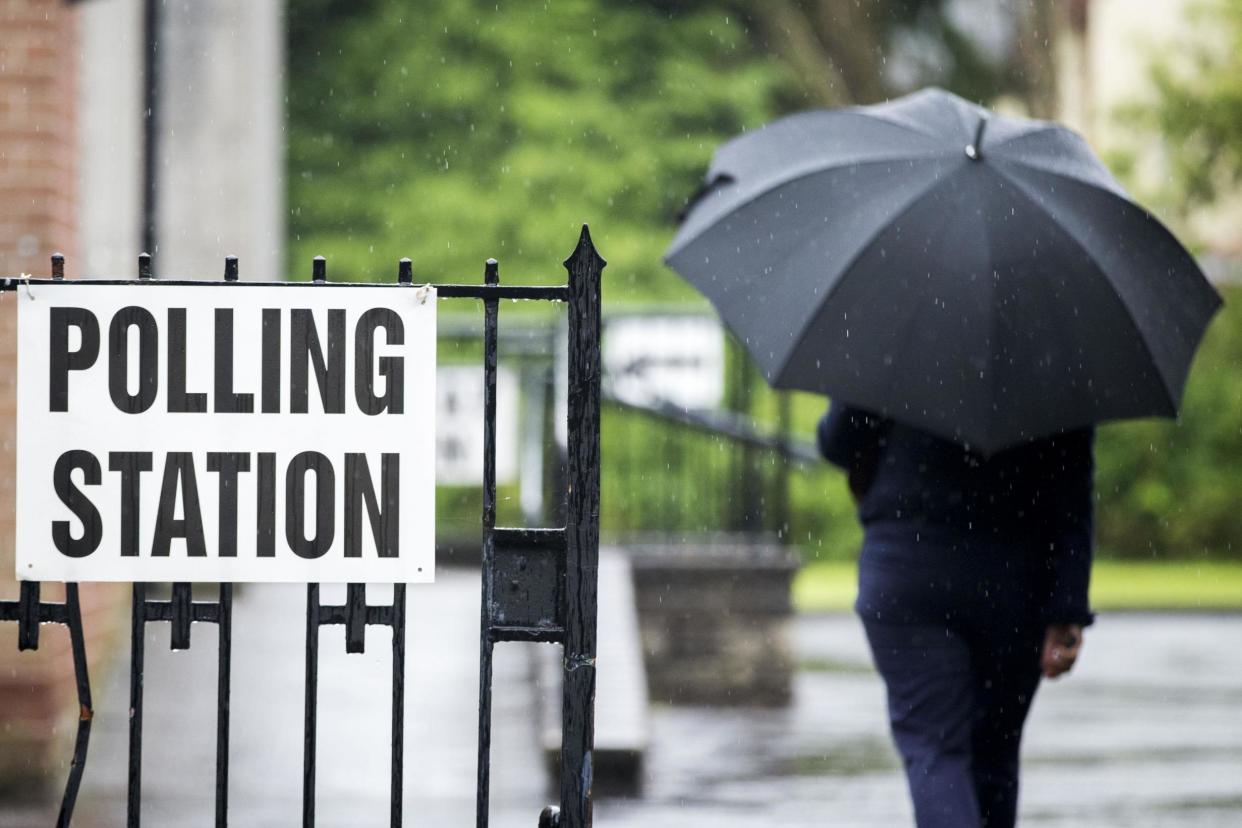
226,433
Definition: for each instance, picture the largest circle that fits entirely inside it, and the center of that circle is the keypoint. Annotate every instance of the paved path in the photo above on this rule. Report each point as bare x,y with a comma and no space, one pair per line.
1147,733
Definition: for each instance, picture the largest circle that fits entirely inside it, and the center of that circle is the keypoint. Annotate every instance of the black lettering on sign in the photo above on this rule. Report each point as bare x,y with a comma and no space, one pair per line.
179,476
295,504
227,401
118,360
61,360
78,503
384,518
131,464
228,464
271,361
266,507
180,402
392,369
305,351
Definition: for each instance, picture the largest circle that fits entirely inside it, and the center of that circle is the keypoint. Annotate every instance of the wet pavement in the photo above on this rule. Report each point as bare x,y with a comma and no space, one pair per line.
1148,732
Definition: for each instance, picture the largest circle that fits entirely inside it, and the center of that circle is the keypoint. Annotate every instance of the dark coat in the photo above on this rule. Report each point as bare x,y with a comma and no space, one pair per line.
914,488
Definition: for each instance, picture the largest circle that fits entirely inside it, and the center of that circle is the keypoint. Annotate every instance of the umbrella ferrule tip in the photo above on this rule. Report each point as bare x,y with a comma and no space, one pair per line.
972,152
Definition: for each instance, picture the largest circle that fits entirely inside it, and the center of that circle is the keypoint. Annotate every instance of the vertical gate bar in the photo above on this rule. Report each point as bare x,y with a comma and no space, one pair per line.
312,678
683,480
356,618
224,661
736,507
398,704
137,651
86,711
553,491
491,276
182,617
319,275
405,276
752,490
137,631
28,616
224,669
581,534
781,496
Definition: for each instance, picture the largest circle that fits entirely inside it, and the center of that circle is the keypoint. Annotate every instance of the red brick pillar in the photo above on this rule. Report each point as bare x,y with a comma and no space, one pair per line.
38,51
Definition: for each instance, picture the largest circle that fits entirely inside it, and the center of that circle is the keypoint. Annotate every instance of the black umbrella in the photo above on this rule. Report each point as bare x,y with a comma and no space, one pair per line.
981,277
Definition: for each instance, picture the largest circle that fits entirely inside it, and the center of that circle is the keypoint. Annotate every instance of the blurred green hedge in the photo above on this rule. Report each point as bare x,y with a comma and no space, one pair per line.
1174,489
450,132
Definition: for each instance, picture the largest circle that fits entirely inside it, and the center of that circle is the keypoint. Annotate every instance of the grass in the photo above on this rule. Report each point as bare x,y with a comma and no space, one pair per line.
829,586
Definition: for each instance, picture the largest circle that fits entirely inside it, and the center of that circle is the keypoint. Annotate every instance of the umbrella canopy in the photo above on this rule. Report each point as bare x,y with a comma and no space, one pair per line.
981,277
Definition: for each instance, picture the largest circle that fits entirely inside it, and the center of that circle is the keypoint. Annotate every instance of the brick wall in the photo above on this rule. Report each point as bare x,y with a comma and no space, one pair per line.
38,45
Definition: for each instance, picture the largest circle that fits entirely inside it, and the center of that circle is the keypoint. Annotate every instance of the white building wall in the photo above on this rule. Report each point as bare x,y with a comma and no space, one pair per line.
1111,70
110,122
221,159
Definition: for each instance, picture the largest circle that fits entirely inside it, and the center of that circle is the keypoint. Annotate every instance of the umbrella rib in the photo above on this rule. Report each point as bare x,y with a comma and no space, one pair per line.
1021,188
803,172
800,335
890,120
1040,128
1029,164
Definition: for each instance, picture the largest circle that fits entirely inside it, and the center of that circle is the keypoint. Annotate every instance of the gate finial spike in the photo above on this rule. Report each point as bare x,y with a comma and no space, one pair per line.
491,272
585,250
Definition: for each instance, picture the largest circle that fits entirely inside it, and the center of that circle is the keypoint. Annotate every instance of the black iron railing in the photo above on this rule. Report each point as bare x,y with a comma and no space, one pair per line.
678,473
29,612
538,584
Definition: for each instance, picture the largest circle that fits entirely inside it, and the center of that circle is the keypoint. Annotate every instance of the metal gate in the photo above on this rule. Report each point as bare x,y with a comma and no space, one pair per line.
538,584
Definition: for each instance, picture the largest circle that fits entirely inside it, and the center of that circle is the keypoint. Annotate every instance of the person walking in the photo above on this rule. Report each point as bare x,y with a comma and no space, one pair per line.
973,580
988,283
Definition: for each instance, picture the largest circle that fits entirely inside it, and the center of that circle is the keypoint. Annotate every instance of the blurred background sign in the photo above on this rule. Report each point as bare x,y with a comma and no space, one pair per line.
671,358
459,419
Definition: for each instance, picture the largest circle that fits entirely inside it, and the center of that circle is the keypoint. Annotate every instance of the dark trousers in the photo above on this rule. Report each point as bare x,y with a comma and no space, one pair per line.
955,633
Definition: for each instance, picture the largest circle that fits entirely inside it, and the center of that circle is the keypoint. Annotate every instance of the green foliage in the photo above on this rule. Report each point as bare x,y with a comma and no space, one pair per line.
1171,489
1198,105
449,132
470,129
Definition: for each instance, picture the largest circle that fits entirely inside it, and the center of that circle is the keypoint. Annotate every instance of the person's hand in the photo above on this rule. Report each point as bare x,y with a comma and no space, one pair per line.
1061,645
